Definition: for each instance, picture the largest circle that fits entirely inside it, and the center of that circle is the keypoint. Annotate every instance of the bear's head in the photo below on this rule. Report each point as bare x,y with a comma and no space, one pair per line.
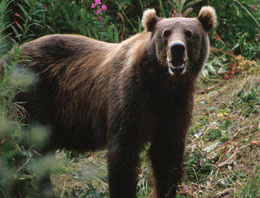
179,43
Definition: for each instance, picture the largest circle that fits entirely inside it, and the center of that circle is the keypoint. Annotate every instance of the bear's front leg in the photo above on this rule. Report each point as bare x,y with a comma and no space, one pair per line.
166,154
123,154
123,161
122,170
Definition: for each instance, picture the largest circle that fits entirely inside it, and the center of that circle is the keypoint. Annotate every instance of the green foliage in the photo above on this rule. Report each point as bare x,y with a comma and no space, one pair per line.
4,24
238,25
237,30
251,188
237,33
19,160
31,12
183,7
197,165
251,98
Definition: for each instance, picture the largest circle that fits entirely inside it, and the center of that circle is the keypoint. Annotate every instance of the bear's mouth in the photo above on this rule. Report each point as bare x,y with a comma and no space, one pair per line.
177,66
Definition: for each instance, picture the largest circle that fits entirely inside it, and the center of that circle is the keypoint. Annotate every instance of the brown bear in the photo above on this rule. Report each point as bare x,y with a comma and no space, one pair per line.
93,94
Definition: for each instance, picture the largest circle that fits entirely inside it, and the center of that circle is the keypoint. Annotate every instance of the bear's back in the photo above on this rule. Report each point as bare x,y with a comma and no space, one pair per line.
72,87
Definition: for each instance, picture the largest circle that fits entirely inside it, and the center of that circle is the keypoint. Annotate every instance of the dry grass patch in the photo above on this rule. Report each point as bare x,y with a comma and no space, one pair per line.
223,151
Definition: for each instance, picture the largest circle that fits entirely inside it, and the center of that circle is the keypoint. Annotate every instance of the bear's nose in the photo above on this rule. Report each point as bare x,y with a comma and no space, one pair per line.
177,49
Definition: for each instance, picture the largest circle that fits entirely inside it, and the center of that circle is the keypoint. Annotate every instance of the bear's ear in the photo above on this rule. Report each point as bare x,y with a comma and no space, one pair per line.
149,19
207,17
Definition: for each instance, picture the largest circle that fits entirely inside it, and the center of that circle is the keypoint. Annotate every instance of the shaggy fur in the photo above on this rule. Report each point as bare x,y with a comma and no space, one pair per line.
94,94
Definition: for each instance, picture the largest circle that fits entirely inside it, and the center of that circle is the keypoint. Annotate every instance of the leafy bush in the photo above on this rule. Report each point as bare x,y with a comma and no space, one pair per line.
239,24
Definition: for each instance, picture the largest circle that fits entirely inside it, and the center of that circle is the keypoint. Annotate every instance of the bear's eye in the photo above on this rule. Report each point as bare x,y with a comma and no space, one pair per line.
167,33
188,33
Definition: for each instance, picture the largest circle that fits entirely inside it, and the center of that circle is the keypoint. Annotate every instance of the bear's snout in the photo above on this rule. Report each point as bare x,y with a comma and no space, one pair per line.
177,57
177,50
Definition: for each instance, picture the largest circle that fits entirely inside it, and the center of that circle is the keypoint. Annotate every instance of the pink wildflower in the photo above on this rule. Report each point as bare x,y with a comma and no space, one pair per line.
93,5
98,2
253,8
100,18
98,12
104,8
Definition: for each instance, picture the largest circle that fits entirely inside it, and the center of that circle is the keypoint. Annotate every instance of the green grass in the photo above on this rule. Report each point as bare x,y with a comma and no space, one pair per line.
251,187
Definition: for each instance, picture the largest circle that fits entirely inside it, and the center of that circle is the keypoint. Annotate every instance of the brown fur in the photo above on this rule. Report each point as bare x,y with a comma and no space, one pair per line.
94,94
